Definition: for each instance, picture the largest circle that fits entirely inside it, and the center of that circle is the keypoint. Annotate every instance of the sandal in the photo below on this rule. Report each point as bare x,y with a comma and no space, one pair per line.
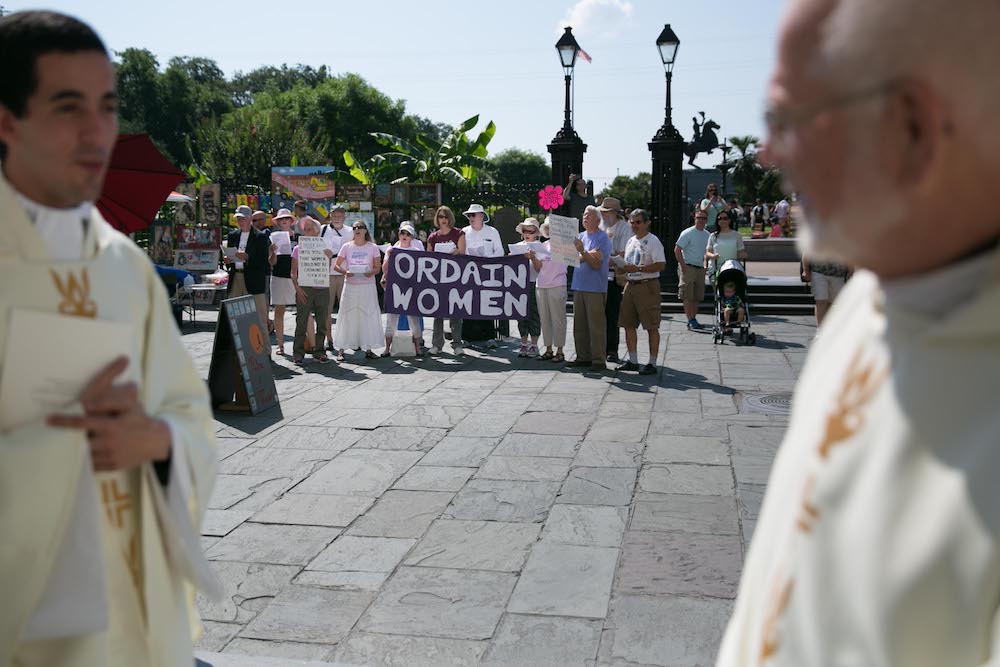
323,359
370,355
548,355
558,358
298,360
384,355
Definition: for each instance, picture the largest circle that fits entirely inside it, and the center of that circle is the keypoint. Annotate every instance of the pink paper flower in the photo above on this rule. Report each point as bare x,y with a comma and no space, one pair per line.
550,197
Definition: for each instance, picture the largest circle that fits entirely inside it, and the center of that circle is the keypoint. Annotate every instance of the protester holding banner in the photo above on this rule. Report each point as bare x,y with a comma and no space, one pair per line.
481,240
359,325
451,240
532,325
312,300
280,259
590,293
406,242
550,288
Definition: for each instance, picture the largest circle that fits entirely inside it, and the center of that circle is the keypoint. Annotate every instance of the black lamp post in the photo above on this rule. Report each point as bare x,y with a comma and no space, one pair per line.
567,148
667,148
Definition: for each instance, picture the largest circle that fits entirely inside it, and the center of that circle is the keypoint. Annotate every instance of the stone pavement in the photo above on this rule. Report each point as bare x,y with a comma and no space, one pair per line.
492,510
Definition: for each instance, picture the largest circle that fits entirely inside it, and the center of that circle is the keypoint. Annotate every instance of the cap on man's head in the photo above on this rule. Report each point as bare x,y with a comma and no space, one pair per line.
338,208
244,211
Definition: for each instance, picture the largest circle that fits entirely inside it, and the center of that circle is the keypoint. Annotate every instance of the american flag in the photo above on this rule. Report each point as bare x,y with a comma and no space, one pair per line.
583,54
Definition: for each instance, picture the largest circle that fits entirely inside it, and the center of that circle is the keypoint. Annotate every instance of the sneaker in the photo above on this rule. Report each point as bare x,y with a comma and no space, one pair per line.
491,344
628,366
459,352
613,358
522,351
435,350
532,351
648,369
693,324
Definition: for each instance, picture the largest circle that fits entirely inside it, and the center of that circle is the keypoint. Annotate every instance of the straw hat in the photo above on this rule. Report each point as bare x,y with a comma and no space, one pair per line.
544,229
528,222
610,204
282,213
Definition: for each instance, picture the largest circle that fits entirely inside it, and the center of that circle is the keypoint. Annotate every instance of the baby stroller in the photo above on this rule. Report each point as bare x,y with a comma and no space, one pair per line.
732,272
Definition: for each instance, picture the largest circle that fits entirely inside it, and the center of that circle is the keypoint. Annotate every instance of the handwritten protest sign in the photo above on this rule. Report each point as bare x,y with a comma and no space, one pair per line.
453,286
314,265
564,233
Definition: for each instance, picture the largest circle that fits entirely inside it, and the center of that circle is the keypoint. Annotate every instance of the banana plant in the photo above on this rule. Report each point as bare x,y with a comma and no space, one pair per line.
457,160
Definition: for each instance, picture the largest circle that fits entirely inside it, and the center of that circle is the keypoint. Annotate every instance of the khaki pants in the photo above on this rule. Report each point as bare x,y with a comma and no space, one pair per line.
552,311
589,326
318,305
336,289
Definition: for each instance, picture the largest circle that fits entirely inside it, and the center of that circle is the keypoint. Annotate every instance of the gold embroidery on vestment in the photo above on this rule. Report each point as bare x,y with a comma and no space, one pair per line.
75,293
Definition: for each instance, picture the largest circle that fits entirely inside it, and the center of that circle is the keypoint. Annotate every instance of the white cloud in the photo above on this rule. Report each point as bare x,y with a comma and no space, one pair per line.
604,18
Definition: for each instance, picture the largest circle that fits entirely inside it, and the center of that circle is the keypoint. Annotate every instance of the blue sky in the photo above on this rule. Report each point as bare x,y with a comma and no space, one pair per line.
451,60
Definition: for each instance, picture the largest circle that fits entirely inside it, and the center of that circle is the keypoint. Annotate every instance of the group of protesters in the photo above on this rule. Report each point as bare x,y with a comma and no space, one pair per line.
616,285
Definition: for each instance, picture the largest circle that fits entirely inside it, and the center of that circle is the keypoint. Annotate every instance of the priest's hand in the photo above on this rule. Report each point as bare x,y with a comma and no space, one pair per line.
120,433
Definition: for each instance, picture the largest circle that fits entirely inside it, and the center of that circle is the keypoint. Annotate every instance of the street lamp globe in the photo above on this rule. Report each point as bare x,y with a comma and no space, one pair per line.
668,43
567,48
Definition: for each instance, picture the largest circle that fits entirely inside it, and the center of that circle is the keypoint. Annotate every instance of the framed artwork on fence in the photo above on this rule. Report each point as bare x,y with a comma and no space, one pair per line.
423,194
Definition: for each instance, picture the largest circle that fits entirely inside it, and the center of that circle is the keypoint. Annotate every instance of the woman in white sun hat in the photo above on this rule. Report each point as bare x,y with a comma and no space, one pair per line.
481,240
407,241
551,290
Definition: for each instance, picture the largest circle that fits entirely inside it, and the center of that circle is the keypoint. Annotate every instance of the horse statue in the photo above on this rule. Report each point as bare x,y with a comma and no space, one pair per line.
705,140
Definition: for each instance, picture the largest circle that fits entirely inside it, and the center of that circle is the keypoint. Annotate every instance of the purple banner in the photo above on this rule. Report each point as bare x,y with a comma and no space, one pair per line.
457,286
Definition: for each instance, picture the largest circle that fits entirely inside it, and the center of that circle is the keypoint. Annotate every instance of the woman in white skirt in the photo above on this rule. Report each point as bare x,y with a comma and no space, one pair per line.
551,290
359,323
406,242
282,287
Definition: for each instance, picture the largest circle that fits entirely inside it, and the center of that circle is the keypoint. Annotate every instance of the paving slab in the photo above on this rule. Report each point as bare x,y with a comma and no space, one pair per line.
661,630
686,449
359,472
586,525
402,514
242,582
686,478
565,580
459,451
524,444
349,553
455,604
619,429
475,545
553,423
679,563
311,437
542,640
500,500
575,403
307,614
714,515
434,478
608,454
280,545
278,649
598,486
365,648
415,438
307,509
528,468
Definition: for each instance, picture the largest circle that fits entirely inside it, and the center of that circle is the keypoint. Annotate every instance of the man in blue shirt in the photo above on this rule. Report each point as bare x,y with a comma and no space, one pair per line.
690,254
590,293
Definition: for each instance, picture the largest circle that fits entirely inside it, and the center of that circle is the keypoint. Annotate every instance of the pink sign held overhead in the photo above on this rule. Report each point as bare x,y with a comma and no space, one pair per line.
550,197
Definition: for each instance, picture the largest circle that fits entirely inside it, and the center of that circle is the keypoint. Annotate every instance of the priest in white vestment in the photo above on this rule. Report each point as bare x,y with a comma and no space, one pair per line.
878,542
100,500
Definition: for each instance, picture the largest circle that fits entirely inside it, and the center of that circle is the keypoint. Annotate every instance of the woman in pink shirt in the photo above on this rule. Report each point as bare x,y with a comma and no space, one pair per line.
550,289
359,323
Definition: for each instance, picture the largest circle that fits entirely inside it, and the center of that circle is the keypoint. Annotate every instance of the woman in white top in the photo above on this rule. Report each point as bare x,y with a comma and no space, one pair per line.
726,243
406,242
359,323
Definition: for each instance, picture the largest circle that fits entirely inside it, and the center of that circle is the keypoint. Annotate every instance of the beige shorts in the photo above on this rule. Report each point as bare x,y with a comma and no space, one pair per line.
692,283
826,288
640,305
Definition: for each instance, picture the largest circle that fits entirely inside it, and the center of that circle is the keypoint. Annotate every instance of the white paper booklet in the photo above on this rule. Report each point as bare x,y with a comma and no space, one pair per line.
445,247
42,374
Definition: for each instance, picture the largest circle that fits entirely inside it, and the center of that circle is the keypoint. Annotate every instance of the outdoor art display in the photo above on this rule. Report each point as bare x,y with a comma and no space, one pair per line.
457,286
161,250
210,204
420,194
289,184
185,213
197,248
564,233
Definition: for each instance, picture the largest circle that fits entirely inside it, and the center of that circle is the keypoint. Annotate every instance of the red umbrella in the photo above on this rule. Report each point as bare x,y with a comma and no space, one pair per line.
138,182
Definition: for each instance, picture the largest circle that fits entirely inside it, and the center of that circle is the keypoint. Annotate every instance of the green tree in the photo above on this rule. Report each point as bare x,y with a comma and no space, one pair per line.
138,74
271,79
632,191
746,170
456,161
242,147
517,166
